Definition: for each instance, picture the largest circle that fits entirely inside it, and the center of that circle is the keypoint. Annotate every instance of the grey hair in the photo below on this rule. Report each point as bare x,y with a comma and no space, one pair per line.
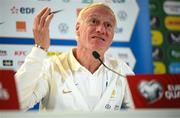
79,18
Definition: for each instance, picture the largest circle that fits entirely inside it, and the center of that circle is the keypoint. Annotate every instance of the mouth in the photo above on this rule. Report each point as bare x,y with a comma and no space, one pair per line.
99,38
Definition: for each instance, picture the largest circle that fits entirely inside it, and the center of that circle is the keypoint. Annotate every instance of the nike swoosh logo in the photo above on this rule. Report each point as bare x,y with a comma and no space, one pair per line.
66,91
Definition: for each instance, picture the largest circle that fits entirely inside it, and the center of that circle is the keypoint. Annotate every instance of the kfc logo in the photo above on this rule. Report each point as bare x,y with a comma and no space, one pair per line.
20,53
151,90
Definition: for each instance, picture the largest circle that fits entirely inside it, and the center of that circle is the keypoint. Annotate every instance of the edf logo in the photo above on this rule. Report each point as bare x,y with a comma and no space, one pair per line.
27,10
22,10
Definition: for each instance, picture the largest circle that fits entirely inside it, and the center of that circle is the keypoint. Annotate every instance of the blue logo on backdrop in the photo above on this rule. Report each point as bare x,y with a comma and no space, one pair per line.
174,68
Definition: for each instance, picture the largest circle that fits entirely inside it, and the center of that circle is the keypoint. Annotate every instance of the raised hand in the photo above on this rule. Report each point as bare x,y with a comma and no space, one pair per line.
41,27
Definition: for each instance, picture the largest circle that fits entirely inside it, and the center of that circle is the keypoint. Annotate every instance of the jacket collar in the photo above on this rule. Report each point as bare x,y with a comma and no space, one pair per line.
74,64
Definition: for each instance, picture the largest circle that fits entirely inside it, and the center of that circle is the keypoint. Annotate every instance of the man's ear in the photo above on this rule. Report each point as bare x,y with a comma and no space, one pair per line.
77,29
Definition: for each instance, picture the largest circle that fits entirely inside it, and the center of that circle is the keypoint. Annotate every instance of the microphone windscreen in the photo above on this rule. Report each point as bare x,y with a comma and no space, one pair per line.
95,54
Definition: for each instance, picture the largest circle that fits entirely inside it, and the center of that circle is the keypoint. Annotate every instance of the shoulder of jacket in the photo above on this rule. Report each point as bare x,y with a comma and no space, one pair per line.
55,59
114,62
58,56
118,65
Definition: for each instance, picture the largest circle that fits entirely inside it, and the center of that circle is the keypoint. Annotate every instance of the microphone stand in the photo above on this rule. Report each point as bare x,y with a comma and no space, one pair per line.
97,56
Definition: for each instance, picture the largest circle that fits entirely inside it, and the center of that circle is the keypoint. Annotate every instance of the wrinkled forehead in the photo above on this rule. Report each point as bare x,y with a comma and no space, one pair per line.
97,11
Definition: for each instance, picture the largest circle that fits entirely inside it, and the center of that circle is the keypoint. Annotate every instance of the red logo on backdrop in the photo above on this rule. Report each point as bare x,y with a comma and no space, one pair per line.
21,26
14,10
19,53
155,91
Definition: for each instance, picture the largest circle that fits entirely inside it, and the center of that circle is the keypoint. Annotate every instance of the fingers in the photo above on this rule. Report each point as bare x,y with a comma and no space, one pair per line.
43,18
41,14
41,27
48,20
38,17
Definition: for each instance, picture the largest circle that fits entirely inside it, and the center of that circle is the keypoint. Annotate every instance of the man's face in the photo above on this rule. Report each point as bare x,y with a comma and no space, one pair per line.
96,30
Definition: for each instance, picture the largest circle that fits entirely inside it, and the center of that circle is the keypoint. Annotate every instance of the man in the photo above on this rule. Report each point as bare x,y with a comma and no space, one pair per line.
75,81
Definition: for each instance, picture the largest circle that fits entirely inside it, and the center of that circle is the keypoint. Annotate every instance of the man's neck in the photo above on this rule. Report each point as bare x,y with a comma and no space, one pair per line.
86,59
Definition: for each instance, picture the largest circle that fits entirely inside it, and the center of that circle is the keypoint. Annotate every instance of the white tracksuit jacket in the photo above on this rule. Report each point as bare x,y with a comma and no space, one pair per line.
51,81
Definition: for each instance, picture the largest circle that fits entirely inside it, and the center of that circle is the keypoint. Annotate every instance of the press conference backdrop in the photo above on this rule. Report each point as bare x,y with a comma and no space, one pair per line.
165,29
131,43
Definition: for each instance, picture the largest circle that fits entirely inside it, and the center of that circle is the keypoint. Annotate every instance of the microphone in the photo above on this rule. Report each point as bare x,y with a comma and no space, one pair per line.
97,56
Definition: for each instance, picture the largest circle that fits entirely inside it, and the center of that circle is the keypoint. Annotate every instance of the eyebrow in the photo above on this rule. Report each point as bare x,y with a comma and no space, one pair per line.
97,16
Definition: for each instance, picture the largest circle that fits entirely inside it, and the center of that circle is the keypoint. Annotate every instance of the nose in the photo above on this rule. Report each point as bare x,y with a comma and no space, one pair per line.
101,29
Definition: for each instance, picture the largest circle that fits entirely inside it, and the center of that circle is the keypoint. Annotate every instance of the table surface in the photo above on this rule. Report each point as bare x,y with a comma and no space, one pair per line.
140,113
